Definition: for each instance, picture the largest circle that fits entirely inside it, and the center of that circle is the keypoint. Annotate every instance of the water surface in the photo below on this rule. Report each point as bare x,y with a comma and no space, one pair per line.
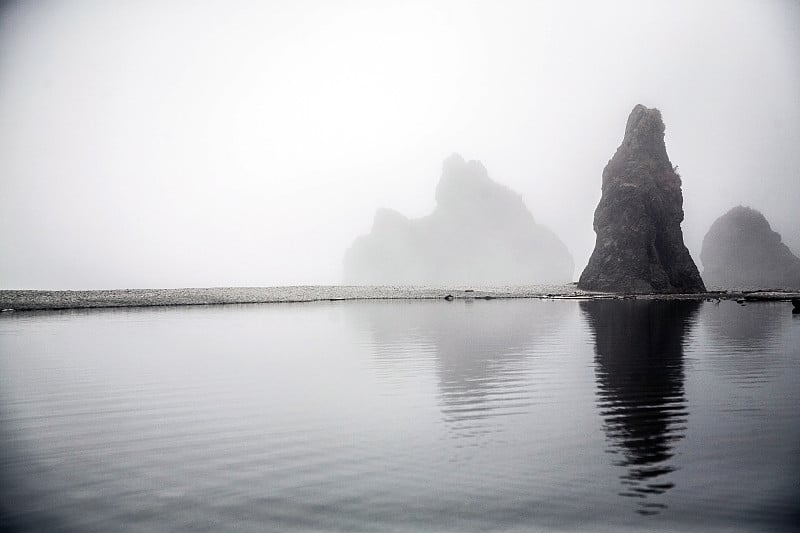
507,415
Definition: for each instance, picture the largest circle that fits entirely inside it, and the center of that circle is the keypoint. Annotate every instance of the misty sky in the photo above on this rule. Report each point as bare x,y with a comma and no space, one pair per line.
171,144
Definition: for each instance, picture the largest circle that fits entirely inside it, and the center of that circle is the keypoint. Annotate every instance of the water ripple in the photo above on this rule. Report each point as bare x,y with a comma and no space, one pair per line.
401,416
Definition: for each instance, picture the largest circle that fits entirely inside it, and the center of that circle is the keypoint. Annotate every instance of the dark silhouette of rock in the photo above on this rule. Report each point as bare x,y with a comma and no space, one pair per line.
481,232
740,250
639,245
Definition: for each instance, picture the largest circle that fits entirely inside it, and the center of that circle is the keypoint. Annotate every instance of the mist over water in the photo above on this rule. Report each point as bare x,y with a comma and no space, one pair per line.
402,416
155,144
284,145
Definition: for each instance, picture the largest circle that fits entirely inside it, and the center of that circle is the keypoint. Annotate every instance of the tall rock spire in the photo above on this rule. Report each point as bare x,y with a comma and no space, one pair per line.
639,244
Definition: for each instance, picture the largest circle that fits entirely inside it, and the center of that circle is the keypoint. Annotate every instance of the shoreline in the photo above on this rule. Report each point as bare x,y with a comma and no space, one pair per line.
37,300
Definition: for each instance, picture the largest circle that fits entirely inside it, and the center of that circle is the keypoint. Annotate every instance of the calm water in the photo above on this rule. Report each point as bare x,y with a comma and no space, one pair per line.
513,415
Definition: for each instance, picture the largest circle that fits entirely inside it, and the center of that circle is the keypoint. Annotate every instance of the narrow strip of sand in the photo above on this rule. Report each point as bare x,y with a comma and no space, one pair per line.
23,300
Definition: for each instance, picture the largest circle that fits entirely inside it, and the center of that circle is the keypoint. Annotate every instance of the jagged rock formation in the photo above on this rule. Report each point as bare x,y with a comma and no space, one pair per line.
639,247
480,233
740,251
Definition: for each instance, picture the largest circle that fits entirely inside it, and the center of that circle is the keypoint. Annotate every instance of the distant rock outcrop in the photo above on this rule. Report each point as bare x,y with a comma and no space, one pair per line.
741,251
639,246
480,233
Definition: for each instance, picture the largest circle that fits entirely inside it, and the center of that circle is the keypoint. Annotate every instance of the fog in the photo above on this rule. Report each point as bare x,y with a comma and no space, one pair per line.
172,144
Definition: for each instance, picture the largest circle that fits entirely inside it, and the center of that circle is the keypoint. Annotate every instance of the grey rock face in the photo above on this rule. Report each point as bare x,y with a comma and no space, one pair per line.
741,251
480,233
639,247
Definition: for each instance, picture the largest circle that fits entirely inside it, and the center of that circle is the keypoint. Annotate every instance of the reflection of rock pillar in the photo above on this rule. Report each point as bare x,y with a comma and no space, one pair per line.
639,371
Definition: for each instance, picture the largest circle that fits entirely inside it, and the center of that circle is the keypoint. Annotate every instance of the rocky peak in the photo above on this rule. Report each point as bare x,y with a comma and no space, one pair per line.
742,251
462,181
645,130
639,245
466,191
481,232
388,221
643,153
748,220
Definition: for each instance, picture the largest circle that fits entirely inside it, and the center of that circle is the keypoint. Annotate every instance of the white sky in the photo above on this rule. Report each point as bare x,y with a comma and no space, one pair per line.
170,144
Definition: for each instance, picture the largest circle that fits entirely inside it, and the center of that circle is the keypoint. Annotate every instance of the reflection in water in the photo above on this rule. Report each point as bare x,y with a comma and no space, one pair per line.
639,372
283,418
480,350
741,339
737,326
